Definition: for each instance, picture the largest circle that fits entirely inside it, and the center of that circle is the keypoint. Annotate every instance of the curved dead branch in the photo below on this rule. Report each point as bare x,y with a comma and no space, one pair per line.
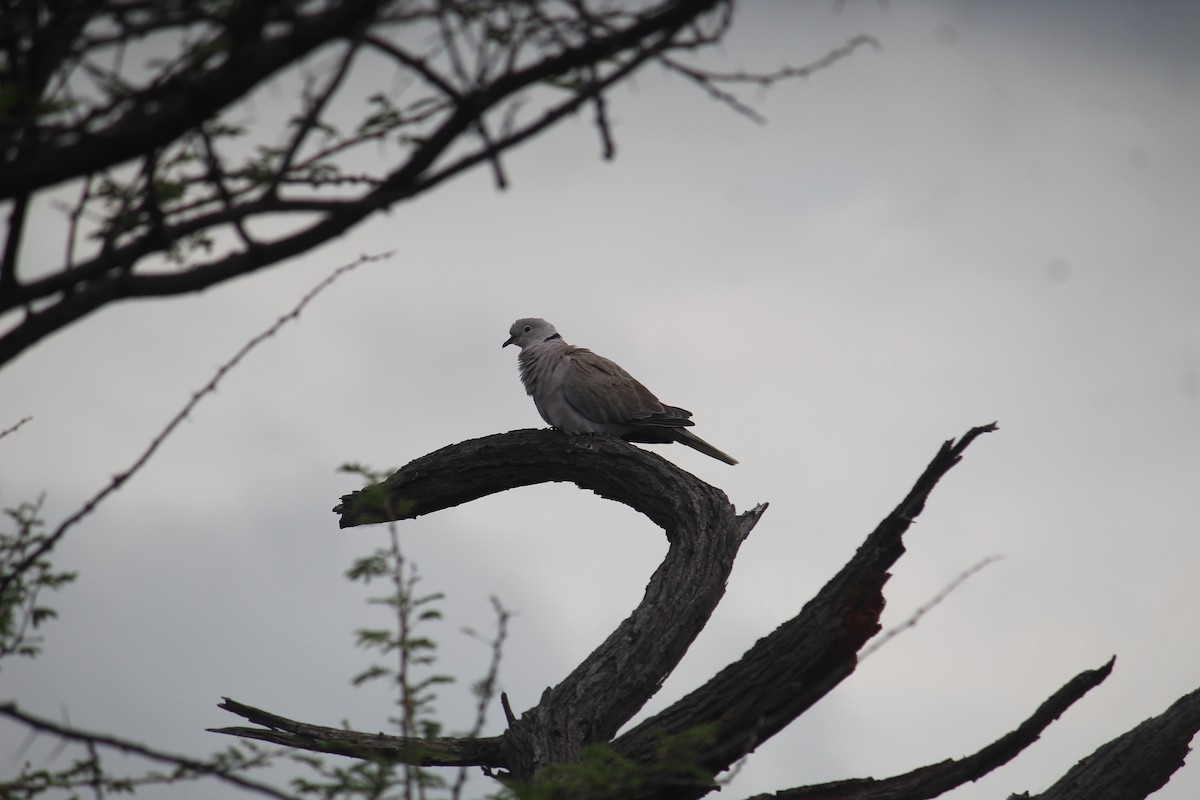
679,752
426,752
703,529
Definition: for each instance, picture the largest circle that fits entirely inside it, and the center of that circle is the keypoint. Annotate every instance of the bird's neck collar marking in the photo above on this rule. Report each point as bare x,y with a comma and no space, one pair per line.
551,337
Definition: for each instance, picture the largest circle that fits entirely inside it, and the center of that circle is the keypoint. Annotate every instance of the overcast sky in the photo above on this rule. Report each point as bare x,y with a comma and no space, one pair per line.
996,217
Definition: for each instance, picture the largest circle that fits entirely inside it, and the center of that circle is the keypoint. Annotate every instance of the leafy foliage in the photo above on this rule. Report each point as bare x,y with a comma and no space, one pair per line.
21,613
604,774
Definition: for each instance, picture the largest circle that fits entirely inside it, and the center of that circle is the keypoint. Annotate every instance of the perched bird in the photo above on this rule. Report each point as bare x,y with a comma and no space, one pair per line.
577,391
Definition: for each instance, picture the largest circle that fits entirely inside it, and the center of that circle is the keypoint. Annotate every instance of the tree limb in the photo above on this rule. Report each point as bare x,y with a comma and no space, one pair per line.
191,765
936,779
109,276
166,111
703,530
750,700
1137,763
784,673
438,752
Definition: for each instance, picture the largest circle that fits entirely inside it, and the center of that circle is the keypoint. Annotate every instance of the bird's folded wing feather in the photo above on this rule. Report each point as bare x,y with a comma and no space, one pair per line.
603,392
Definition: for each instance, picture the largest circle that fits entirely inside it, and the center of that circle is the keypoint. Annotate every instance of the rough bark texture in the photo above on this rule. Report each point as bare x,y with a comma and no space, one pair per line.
440,752
801,661
1136,763
703,529
679,752
933,780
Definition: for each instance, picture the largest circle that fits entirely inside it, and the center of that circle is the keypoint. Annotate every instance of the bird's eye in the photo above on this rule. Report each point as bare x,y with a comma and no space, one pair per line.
528,328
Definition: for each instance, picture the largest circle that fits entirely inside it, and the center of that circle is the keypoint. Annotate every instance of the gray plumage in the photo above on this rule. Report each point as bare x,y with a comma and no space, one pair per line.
577,391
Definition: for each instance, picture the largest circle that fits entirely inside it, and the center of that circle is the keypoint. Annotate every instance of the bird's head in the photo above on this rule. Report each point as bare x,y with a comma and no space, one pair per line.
530,330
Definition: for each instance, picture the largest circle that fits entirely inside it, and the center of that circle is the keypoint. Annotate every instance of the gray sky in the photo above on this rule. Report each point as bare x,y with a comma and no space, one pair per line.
993,218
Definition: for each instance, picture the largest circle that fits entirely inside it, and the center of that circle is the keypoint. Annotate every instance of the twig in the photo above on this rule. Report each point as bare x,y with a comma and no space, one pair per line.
708,81
120,478
14,428
312,115
90,739
509,716
921,611
487,686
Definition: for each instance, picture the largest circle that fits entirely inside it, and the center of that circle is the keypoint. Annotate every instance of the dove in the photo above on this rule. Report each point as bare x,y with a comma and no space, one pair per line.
577,391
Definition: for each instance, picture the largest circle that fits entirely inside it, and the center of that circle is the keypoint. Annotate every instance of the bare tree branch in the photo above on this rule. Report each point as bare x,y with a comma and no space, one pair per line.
499,74
118,480
93,740
784,673
439,752
1137,763
917,615
937,779
677,754
168,110
14,427
702,528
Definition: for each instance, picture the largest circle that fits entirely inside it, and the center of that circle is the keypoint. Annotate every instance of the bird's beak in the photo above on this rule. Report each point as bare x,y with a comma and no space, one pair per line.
507,342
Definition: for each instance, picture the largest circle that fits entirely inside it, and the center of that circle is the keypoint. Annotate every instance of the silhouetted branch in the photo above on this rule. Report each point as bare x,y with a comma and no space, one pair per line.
784,673
496,74
12,573
16,426
937,779
439,752
679,752
703,530
165,111
186,766
1137,763
878,643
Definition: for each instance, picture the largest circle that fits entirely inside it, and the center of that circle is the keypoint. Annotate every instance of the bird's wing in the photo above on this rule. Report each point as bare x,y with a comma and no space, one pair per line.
603,392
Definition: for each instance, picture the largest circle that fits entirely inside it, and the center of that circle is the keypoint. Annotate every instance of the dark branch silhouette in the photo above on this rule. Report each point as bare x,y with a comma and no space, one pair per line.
747,702
440,752
182,764
935,779
703,529
161,181
1137,763
166,187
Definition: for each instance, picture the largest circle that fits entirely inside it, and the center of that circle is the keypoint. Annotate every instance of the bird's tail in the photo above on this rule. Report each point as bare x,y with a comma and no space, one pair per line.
684,436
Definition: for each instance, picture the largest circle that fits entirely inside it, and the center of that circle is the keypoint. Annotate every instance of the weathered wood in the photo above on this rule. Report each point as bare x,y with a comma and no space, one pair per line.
469,470
801,661
618,677
439,752
746,703
1137,763
935,779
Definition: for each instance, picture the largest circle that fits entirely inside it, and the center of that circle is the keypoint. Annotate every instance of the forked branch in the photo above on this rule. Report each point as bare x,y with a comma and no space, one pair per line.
743,705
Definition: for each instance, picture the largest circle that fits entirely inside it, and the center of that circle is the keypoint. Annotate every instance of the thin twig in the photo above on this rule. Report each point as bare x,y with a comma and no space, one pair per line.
710,82
933,603
14,428
216,177
312,115
487,686
85,196
603,126
120,478
91,739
